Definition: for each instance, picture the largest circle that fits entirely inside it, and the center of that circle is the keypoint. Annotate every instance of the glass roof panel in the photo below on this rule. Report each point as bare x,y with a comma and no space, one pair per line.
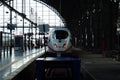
35,11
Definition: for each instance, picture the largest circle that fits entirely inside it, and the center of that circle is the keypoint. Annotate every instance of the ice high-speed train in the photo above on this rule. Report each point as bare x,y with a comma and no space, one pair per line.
59,40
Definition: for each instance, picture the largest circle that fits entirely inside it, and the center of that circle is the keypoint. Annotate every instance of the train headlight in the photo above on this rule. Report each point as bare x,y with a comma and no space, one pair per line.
55,46
64,46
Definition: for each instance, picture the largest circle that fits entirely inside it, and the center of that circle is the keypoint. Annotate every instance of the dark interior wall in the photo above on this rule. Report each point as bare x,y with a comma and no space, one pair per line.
92,18
108,20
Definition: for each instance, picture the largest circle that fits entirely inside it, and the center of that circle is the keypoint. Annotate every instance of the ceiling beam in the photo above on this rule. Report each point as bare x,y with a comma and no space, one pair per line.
14,10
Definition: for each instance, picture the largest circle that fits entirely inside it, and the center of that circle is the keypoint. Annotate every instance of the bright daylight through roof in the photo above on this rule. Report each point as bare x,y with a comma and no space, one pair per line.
37,12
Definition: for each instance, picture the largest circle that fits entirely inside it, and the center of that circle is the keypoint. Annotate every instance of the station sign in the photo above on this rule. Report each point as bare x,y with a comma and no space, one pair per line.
11,26
43,27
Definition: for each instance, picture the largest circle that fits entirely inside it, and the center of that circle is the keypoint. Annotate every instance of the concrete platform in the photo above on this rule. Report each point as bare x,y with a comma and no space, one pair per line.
12,64
98,67
94,66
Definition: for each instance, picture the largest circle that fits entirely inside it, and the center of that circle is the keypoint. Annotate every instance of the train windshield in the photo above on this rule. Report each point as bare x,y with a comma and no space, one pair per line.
61,34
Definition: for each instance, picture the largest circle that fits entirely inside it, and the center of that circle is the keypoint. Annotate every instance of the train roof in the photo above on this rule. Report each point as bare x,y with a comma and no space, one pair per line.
59,28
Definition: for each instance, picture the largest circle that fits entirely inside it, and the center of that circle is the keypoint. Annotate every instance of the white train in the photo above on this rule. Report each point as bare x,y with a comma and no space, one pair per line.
59,40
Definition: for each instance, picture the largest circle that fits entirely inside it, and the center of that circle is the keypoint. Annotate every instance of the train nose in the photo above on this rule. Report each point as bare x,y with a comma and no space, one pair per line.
60,46
59,41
